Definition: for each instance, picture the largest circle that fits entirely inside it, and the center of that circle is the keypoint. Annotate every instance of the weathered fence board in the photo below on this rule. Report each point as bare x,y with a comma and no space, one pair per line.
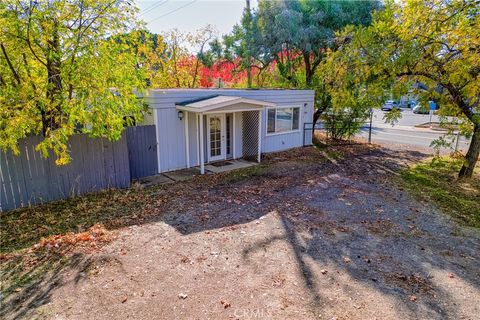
30,179
142,151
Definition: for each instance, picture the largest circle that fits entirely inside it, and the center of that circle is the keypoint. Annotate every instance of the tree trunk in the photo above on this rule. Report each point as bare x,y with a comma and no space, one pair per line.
322,103
316,116
249,38
308,69
51,118
195,73
472,154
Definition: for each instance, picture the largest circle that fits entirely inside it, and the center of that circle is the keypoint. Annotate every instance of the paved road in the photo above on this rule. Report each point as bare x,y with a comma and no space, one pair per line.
408,118
404,131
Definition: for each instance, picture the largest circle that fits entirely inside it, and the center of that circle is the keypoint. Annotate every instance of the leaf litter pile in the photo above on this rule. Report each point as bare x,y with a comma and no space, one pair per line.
298,236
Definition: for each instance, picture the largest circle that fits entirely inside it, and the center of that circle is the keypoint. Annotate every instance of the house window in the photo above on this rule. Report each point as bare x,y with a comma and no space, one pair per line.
283,119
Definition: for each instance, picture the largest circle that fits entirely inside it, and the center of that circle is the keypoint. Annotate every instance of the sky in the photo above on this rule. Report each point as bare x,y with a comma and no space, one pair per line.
190,15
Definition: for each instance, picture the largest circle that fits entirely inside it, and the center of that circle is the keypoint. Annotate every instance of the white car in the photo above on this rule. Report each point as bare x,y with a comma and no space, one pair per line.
389,105
420,109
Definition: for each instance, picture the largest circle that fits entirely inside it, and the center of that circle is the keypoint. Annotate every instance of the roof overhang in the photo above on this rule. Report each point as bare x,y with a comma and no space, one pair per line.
222,103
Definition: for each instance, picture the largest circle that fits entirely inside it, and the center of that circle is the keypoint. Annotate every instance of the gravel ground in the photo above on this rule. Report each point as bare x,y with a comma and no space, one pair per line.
297,238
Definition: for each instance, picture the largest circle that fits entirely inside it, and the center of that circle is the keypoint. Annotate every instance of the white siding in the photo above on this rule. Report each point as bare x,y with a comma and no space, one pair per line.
171,144
171,130
193,140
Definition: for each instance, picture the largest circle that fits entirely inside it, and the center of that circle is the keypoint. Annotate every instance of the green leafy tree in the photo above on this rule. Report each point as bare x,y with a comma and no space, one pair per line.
298,33
62,71
243,47
436,43
292,36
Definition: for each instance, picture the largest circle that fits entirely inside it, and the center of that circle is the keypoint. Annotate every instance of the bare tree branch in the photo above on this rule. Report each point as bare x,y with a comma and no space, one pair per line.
10,65
28,34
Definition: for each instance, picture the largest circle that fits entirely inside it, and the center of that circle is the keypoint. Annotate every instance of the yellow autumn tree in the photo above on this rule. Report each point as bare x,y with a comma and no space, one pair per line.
432,42
62,71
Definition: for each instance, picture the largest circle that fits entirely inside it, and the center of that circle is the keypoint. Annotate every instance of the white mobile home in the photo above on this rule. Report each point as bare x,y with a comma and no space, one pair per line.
199,126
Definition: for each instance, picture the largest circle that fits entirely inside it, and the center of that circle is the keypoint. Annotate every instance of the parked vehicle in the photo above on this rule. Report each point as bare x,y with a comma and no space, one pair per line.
389,105
420,109
411,104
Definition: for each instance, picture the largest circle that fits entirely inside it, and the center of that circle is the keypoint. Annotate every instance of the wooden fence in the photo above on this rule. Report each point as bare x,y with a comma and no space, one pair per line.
96,164
142,151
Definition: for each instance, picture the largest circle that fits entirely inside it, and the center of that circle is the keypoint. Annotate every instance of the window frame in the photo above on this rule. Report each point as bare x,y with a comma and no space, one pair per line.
283,132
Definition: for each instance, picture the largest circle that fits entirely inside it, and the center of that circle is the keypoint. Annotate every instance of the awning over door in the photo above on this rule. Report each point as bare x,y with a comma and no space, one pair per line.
251,125
219,103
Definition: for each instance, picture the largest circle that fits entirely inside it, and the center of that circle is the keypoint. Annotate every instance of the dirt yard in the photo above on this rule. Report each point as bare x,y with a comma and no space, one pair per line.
299,237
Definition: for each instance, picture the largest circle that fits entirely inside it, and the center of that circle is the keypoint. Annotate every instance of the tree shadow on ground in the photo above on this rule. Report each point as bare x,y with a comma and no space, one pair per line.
305,179
396,267
351,217
237,200
46,272
374,234
115,209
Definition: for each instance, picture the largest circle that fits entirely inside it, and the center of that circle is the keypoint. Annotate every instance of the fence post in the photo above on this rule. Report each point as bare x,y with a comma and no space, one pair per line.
370,128
349,135
304,124
326,130
458,140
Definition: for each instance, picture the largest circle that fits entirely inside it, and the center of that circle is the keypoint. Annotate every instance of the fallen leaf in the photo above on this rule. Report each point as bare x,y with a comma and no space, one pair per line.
84,237
124,299
225,304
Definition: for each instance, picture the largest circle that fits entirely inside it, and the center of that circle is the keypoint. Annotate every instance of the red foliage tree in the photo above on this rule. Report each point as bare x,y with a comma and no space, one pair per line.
223,70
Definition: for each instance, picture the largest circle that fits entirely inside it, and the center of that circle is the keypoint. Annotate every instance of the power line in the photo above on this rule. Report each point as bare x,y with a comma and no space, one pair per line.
175,10
150,6
154,6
